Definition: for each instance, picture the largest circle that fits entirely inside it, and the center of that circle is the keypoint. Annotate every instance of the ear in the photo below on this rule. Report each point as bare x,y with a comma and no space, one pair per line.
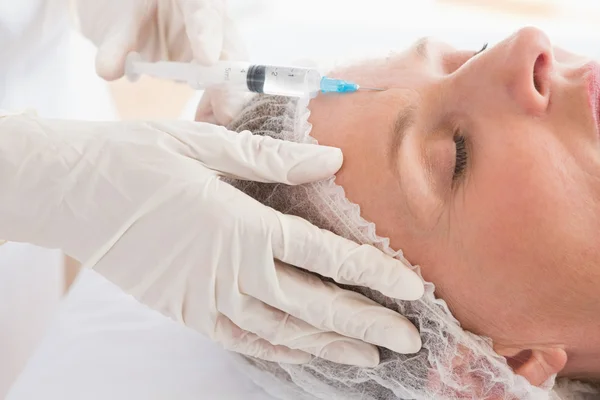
535,365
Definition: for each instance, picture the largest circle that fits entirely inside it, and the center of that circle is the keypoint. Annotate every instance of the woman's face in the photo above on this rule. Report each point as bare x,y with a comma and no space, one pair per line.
485,169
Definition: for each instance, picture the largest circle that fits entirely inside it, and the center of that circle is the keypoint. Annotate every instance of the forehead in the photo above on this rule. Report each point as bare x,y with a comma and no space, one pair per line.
408,68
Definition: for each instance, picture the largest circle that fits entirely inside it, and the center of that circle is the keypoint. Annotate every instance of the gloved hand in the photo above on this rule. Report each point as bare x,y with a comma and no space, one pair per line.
175,30
220,104
142,204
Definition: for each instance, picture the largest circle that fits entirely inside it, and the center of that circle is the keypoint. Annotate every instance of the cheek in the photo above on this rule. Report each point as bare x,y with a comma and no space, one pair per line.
532,192
519,221
563,56
514,199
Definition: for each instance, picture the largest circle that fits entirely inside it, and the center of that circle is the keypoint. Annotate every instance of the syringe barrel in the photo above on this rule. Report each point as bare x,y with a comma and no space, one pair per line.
269,79
276,80
291,81
229,73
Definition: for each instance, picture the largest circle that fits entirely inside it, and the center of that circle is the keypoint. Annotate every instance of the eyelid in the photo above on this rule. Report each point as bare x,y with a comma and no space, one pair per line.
456,128
461,161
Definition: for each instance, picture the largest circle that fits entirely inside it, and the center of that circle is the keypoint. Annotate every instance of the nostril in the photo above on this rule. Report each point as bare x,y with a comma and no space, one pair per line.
541,74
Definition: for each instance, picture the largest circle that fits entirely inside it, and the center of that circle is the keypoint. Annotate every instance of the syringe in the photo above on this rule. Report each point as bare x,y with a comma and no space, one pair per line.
277,80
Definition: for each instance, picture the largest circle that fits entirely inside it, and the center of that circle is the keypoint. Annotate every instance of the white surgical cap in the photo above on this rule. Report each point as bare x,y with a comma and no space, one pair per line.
453,363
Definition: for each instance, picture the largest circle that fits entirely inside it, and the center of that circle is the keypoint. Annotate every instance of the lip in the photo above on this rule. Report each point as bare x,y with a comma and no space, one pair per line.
594,92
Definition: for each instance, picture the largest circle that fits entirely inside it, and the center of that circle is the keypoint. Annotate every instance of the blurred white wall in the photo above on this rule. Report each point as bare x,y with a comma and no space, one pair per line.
336,29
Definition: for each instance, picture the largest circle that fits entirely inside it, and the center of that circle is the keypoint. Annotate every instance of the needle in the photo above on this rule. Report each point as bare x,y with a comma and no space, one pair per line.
372,89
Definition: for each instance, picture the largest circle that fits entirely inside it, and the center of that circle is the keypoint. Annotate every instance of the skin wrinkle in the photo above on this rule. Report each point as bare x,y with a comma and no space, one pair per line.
402,124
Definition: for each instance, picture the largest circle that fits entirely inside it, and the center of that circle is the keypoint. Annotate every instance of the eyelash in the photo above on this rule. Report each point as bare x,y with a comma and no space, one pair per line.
482,49
461,156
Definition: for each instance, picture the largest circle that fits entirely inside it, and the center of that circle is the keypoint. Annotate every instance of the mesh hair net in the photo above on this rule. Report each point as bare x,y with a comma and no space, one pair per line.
453,363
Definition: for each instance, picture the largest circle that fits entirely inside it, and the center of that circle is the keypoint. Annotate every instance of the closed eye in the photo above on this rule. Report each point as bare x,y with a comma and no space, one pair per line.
461,156
460,164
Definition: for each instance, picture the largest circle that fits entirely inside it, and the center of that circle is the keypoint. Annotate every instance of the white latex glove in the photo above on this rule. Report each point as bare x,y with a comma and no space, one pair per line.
220,104
175,30
142,204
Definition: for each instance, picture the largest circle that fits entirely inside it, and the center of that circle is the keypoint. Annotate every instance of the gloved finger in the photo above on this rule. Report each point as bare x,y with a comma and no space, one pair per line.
280,328
112,53
330,308
220,105
205,112
204,28
234,338
304,245
253,157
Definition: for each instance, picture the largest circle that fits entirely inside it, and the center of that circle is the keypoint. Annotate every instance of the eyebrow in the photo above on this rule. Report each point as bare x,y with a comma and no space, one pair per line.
405,119
421,47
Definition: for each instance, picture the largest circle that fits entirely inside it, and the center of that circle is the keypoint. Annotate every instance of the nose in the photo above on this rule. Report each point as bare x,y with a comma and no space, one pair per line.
527,69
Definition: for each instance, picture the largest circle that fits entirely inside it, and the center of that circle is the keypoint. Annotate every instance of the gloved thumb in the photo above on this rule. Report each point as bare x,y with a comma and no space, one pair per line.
253,157
220,105
110,59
